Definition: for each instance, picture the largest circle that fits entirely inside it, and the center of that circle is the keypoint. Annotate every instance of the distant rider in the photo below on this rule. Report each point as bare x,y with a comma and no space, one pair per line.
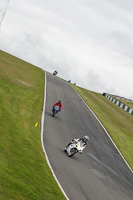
84,140
59,103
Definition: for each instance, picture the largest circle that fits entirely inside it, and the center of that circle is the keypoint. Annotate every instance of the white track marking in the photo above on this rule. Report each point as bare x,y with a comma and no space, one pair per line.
104,130
42,132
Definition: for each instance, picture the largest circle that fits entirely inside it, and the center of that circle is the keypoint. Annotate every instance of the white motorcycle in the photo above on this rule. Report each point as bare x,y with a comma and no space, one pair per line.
75,147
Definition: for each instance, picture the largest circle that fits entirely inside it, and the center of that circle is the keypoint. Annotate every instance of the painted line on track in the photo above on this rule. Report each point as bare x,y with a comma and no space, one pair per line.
44,150
104,130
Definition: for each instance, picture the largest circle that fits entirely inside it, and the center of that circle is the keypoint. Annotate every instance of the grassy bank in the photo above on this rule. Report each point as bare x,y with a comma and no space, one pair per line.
117,122
24,173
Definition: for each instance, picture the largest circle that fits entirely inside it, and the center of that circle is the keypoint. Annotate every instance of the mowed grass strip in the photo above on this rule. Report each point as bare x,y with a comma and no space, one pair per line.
24,173
117,122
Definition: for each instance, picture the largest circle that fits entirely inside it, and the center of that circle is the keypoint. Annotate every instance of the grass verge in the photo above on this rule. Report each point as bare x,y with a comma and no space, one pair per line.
24,173
117,122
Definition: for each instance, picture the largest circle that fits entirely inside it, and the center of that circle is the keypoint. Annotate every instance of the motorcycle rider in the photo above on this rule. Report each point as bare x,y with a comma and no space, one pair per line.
59,103
55,73
84,140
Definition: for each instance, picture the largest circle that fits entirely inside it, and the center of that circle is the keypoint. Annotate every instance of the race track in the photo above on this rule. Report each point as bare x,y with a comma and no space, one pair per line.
100,172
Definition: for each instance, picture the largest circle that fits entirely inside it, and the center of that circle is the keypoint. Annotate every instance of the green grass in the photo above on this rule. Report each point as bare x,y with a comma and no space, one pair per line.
24,173
117,122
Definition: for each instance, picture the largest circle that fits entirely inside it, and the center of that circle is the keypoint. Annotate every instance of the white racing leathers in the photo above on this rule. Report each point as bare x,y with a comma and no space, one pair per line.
75,146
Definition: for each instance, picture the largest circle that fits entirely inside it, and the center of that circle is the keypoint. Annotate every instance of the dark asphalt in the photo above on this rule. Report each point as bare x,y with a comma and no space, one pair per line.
99,173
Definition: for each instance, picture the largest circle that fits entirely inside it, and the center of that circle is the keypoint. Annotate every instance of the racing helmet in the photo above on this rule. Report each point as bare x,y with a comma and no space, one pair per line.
85,138
59,101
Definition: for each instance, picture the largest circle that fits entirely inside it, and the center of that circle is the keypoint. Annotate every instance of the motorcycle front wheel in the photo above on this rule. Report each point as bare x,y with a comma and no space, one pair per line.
72,152
53,113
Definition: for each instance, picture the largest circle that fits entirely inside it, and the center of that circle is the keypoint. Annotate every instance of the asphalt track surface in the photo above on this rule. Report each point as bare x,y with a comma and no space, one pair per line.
99,173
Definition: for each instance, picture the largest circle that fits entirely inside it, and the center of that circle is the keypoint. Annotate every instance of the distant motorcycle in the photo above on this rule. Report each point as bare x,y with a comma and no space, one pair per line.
55,110
55,73
75,147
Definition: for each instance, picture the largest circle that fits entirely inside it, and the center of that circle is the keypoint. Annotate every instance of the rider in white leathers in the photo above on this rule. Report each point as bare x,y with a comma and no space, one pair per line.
84,141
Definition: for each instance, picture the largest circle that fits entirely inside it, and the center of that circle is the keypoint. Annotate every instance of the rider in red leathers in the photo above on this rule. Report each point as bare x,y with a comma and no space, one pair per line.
58,104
